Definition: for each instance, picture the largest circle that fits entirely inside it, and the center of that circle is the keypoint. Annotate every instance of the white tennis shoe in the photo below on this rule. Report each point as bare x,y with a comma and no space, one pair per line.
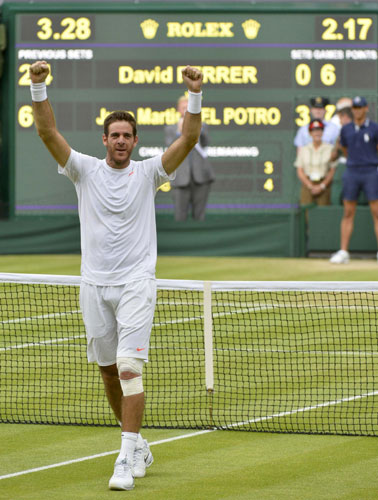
340,257
142,458
122,479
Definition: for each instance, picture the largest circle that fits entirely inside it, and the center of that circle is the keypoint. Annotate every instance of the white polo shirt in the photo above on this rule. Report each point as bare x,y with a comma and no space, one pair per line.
316,162
117,217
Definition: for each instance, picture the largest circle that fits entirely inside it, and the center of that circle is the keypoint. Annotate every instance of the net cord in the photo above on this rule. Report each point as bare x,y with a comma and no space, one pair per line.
163,284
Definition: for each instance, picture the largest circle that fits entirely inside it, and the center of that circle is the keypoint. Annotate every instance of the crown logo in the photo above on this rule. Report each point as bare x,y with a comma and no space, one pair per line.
165,187
251,28
149,28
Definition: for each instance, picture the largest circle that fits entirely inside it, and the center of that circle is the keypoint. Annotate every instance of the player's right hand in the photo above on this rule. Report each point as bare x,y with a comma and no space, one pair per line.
193,78
39,71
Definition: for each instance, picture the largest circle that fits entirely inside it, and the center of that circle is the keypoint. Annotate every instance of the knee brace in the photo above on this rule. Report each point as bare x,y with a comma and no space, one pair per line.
133,385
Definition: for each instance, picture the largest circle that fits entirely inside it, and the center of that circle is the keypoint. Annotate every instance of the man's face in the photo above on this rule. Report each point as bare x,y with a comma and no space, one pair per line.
359,113
318,113
119,143
344,119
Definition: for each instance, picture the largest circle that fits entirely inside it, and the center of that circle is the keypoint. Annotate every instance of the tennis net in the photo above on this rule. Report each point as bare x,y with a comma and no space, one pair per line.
259,356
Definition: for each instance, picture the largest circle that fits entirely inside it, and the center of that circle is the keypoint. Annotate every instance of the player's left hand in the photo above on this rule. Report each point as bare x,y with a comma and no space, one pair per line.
192,78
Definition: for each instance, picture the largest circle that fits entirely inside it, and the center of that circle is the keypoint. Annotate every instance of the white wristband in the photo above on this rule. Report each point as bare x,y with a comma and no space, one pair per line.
38,91
194,102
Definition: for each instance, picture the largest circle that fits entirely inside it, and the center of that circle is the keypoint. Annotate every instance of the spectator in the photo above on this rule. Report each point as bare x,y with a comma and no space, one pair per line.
344,117
317,111
342,104
314,167
359,142
191,187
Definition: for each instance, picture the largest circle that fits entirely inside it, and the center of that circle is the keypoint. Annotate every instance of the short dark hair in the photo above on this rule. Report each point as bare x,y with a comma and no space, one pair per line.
119,116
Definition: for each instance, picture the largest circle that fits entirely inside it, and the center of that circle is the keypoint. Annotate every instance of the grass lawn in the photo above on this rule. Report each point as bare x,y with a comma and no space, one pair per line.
212,268
215,465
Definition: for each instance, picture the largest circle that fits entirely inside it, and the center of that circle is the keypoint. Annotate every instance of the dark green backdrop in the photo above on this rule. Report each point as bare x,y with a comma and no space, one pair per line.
262,63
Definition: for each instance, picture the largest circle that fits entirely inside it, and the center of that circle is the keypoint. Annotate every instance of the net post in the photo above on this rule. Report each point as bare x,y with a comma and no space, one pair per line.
208,338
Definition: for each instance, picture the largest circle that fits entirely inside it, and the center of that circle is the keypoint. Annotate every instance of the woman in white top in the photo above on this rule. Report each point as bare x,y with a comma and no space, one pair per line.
314,167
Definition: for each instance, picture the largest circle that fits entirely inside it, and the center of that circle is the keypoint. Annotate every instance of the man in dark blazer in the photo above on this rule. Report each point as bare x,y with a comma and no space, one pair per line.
191,187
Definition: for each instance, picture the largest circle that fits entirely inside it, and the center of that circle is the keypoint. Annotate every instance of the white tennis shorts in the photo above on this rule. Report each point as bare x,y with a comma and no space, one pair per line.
118,320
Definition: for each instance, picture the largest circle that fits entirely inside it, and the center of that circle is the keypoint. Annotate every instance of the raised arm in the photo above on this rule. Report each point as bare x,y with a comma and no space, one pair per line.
44,116
191,128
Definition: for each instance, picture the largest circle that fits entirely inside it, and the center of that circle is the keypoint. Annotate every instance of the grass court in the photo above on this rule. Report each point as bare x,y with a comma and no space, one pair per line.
56,462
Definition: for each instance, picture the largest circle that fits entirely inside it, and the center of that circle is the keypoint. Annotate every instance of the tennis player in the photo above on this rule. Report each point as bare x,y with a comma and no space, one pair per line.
118,243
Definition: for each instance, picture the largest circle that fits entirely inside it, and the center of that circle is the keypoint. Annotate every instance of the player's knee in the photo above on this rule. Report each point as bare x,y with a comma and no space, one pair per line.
130,375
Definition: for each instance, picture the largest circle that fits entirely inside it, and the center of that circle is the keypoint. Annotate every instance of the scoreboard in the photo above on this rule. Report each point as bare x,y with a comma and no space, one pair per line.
261,67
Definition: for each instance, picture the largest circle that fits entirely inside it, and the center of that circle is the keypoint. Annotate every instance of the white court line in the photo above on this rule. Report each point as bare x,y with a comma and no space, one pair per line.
65,339
242,350
248,308
42,316
302,410
269,351
268,306
99,455
166,323
235,349
206,431
42,342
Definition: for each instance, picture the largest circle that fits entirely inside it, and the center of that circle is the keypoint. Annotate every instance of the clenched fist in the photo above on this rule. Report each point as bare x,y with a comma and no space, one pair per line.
193,78
39,71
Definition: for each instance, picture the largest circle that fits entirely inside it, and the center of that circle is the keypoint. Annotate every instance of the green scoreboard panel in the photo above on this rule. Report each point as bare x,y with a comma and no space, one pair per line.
260,69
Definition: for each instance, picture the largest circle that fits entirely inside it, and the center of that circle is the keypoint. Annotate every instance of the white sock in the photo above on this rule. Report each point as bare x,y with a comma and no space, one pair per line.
128,444
140,442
